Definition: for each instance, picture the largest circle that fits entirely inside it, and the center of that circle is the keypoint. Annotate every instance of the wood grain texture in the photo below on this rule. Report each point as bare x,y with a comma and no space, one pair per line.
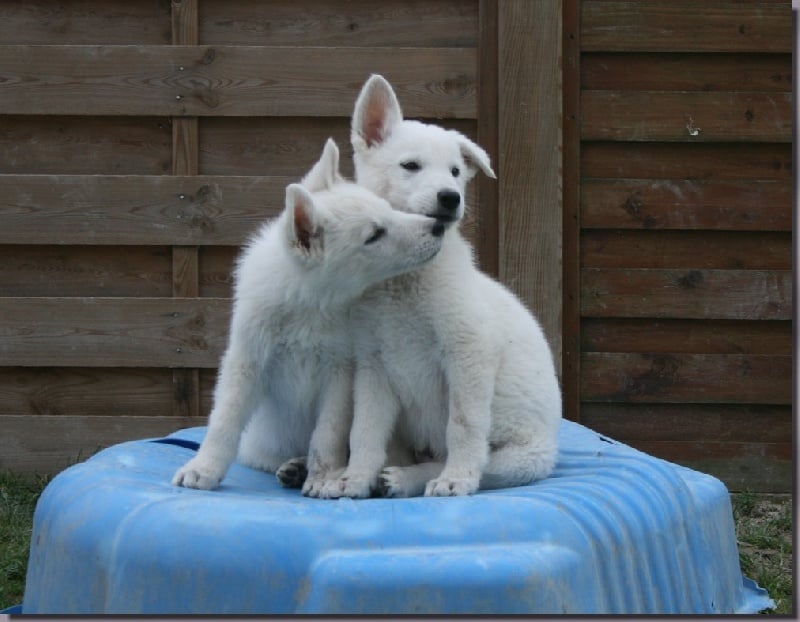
687,204
79,22
687,294
229,81
389,23
85,145
48,444
658,336
675,116
85,391
85,271
138,210
113,332
701,161
529,176
686,378
686,26
686,72
689,250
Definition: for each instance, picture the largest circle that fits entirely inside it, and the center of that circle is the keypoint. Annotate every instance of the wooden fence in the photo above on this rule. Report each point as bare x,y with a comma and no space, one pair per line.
142,141
677,236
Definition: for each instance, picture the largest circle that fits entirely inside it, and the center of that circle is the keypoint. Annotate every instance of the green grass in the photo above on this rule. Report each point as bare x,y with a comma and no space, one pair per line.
17,501
763,532
764,535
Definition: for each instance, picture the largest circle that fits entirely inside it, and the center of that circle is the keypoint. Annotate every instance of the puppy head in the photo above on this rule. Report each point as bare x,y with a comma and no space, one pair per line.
419,168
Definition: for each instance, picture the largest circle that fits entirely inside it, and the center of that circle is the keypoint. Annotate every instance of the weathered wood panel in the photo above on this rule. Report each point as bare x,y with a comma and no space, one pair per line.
229,81
85,145
649,336
693,160
113,332
700,250
690,294
141,271
686,378
529,182
389,23
687,72
687,204
686,26
80,22
678,116
138,209
47,444
88,391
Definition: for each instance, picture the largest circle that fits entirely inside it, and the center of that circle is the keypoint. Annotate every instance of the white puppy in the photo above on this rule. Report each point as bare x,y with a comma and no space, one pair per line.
447,358
288,368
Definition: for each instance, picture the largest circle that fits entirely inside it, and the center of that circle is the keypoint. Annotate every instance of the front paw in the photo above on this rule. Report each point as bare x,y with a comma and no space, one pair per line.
292,473
450,487
198,474
315,483
353,486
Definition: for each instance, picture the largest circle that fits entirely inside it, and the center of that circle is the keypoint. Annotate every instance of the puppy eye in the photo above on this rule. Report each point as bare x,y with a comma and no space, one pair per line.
376,235
455,171
412,166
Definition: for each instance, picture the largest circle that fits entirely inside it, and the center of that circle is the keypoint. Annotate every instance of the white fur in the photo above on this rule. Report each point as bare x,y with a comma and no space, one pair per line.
288,368
448,360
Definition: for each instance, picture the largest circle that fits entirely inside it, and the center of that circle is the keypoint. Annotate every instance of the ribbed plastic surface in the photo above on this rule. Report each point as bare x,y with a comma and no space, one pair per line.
612,531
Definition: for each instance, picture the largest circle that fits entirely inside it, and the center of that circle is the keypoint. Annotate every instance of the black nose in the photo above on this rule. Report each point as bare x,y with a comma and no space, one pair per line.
448,199
438,229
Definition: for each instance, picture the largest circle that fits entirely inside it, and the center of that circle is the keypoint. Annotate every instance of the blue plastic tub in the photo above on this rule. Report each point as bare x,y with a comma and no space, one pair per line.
612,531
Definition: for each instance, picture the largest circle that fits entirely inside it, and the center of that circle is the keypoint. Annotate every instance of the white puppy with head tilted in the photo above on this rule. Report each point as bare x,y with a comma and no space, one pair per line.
288,368
449,361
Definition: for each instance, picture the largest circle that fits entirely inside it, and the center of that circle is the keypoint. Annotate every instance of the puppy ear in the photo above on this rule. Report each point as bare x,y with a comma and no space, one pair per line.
302,227
325,173
376,113
475,157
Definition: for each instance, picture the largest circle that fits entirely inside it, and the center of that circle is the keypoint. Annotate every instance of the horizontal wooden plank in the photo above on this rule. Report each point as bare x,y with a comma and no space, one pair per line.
687,294
686,378
686,26
703,161
686,336
281,145
85,145
89,391
701,250
759,467
686,116
45,445
138,271
686,204
396,23
216,271
687,72
113,332
118,22
135,210
690,422
230,81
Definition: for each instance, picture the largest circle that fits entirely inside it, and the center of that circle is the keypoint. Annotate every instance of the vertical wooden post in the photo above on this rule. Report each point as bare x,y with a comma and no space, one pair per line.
529,144
571,315
486,203
185,259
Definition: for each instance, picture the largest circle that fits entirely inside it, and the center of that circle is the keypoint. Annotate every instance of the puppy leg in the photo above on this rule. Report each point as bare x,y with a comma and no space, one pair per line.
327,453
407,481
376,410
292,473
235,398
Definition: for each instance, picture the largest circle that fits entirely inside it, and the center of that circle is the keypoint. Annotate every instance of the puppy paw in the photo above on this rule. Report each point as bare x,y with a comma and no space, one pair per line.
393,483
314,485
450,487
196,474
353,486
292,473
